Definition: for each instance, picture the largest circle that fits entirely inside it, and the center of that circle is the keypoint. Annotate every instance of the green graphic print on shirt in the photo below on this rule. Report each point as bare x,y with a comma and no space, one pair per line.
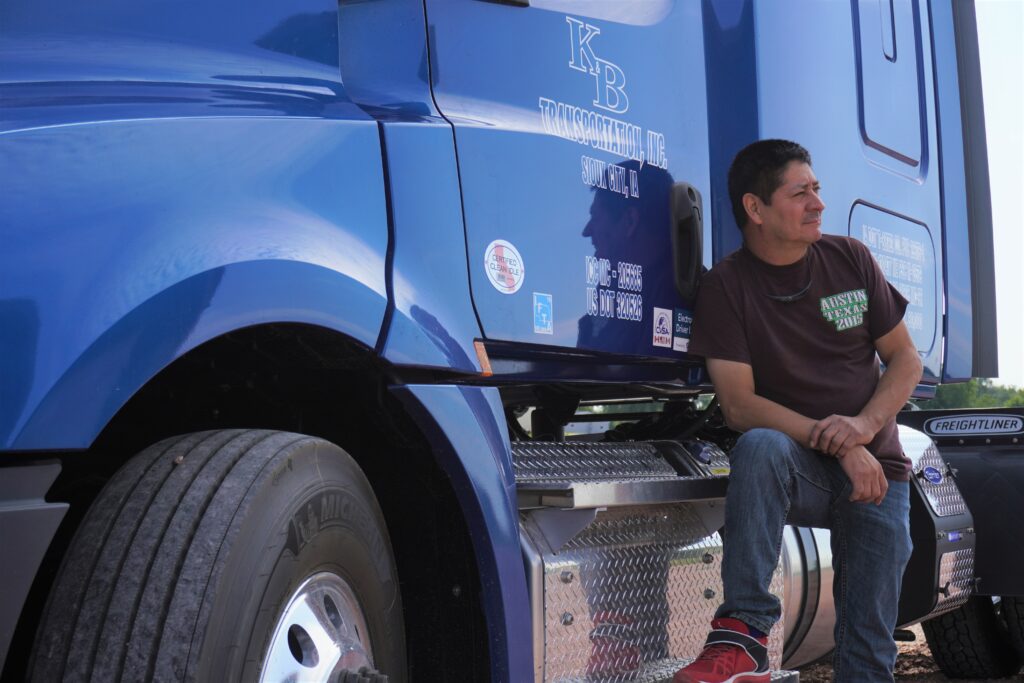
845,310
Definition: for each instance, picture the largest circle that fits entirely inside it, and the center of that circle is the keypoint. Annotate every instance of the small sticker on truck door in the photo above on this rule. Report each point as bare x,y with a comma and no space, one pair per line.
663,327
543,313
504,266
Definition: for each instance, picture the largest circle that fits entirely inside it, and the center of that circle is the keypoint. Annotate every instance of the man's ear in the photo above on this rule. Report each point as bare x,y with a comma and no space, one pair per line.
752,204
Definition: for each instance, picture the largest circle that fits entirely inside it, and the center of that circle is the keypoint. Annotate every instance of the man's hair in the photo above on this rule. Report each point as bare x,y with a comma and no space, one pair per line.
758,169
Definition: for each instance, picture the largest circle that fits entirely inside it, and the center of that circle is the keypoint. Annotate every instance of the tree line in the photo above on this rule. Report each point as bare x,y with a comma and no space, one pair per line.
977,393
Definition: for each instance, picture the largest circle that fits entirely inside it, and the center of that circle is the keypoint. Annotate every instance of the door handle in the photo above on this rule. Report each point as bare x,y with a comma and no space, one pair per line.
687,238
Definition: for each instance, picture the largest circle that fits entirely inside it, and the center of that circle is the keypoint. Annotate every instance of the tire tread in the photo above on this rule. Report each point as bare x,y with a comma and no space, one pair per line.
1013,613
969,642
107,615
65,604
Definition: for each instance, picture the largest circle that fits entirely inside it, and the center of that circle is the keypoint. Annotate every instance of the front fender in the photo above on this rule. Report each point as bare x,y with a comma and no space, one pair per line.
126,243
71,411
466,427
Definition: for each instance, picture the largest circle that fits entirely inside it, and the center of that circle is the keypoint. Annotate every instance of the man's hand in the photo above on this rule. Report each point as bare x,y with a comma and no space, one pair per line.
865,472
836,433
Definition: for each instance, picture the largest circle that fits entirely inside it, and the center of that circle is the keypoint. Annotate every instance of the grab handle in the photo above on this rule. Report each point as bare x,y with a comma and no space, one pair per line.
687,238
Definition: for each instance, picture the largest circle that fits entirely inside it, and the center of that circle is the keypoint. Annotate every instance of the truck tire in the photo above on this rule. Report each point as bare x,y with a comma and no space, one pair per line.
235,555
971,641
1013,613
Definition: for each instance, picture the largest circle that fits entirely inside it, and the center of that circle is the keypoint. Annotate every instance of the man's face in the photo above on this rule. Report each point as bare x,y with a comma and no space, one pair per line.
794,216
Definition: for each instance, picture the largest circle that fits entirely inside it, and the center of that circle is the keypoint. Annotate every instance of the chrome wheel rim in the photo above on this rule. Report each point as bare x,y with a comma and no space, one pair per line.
321,631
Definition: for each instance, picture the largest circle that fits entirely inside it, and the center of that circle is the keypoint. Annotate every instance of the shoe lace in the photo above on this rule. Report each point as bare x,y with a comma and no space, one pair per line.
720,656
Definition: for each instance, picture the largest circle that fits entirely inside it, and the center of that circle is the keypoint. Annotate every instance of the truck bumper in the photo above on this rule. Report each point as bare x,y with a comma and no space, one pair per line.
27,525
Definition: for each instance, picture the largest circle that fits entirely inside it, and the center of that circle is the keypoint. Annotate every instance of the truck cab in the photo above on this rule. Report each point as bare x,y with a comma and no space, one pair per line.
353,336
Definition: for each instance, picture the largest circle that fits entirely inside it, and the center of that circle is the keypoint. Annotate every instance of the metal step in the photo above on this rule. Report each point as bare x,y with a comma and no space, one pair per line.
575,475
779,676
662,672
623,557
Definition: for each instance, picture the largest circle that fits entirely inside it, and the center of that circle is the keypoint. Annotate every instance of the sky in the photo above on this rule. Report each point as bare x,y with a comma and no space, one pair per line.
1000,37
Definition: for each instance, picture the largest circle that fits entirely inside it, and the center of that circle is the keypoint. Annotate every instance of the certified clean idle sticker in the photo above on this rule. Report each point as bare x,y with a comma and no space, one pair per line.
504,266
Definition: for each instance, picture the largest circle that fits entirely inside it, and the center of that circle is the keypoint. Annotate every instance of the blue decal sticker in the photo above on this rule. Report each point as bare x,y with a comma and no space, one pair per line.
954,536
543,314
932,475
682,321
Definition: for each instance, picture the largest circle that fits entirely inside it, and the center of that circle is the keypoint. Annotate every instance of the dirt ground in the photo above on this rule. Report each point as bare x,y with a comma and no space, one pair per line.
915,663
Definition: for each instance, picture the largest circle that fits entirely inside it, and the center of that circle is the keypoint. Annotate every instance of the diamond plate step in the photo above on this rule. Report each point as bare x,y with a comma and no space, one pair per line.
663,671
776,676
540,461
590,475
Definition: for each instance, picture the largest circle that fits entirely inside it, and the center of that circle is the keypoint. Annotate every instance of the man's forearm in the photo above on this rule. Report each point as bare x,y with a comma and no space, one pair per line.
894,388
752,411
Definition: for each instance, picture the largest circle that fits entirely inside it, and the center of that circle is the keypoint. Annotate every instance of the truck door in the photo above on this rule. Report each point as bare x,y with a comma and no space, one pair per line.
573,120
855,84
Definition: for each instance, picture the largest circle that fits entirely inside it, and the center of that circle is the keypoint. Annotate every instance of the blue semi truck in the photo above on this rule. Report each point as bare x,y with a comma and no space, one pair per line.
343,336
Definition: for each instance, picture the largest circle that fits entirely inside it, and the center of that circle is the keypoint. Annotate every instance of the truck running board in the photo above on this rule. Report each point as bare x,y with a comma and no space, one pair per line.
597,475
623,556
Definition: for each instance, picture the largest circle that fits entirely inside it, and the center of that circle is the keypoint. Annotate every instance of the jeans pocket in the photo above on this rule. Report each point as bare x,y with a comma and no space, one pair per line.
810,502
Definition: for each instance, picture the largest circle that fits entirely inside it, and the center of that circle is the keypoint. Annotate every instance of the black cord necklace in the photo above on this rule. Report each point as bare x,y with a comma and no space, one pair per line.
787,298
790,298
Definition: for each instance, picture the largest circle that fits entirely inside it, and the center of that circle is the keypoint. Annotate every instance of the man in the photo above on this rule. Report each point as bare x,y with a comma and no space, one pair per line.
792,326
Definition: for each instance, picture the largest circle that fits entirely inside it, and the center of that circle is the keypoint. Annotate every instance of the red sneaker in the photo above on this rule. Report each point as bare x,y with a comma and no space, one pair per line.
730,655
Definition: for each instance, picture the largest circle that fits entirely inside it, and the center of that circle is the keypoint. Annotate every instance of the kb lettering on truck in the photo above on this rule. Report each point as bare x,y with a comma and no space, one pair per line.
597,130
608,77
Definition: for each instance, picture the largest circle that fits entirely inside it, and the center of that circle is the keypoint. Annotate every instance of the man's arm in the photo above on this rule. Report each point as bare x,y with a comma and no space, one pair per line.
745,410
903,367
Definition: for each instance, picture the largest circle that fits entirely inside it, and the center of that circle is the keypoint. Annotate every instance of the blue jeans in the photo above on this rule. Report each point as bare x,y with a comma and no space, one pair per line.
775,481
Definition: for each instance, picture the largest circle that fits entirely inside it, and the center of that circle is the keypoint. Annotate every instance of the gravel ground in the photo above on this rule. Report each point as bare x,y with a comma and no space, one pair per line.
915,663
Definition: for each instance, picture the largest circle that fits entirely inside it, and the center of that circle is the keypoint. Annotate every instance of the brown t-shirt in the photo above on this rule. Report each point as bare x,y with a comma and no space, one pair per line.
816,353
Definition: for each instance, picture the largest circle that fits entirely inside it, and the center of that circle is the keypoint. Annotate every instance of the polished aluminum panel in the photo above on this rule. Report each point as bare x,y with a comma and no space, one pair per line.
631,597
628,492
944,497
956,579
536,461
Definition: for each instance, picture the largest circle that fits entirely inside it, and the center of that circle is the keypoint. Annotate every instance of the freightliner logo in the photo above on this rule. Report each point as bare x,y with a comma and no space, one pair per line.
957,425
